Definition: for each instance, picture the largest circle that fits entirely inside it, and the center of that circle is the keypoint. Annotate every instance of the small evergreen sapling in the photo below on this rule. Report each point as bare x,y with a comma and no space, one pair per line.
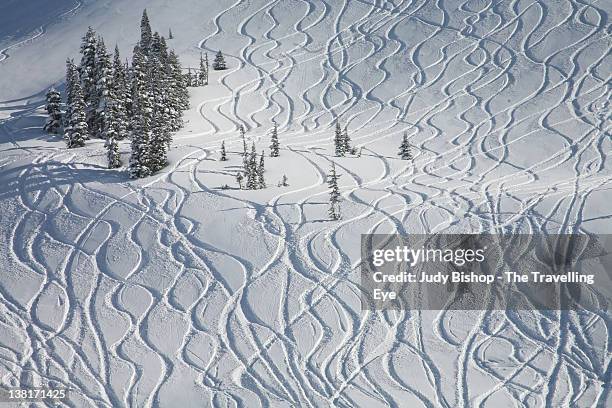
244,144
274,144
339,141
223,152
284,181
203,73
206,65
334,194
405,151
239,178
112,153
54,120
219,62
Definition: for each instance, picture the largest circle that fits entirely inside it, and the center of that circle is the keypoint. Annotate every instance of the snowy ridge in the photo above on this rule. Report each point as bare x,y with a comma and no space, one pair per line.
170,291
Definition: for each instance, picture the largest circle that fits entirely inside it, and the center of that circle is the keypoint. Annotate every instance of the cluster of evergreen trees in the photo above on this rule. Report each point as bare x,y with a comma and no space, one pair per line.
200,76
342,142
253,165
253,170
111,100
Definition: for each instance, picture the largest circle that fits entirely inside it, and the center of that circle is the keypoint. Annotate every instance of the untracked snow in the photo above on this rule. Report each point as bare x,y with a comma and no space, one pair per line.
171,291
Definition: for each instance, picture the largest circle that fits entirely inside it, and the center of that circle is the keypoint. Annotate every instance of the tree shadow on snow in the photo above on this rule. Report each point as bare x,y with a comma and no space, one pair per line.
31,178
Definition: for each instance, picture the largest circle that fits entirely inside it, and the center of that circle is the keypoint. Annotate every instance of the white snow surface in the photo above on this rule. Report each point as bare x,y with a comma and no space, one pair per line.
171,292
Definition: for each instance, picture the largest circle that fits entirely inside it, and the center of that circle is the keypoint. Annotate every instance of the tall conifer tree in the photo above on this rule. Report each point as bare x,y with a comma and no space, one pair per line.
334,194
71,78
88,75
146,34
346,141
274,144
339,141
119,94
251,169
77,133
104,76
141,164
261,181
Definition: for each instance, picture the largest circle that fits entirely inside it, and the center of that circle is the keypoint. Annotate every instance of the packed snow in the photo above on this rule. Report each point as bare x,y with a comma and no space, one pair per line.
171,291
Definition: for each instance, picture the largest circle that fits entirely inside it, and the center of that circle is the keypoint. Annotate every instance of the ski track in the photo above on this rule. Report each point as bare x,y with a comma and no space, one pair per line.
202,331
40,31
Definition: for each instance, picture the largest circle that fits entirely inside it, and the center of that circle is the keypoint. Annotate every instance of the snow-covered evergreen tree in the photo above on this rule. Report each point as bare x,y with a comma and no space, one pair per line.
119,95
346,141
113,106
334,194
76,134
54,111
180,93
158,87
339,141
71,78
88,74
405,151
87,67
142,119
251,170
274,144
261,181
223,152
146,35
112,153
158,147
104,77
170,36
219,62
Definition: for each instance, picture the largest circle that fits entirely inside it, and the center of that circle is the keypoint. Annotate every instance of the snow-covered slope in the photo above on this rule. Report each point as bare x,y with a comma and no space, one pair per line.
171,291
